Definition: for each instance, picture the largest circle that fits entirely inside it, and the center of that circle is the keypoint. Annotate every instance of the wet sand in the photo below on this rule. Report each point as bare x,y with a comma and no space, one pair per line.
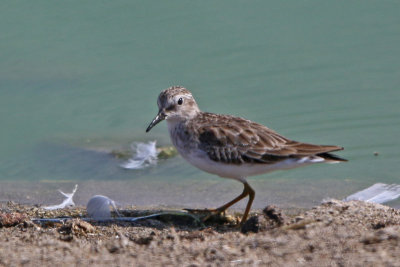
332,234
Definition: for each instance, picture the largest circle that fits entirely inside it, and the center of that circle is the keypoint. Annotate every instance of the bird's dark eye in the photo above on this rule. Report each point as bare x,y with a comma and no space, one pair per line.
180,101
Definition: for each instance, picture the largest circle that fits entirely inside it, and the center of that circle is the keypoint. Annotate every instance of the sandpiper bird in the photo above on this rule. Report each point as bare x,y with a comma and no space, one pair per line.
231,147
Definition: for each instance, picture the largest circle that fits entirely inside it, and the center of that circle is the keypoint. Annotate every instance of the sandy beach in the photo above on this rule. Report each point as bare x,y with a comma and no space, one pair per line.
335,233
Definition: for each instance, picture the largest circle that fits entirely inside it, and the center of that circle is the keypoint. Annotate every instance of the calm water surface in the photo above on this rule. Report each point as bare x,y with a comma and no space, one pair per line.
78,77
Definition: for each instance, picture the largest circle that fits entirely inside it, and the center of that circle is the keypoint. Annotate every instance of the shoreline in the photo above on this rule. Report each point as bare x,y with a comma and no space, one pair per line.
188,193
330,234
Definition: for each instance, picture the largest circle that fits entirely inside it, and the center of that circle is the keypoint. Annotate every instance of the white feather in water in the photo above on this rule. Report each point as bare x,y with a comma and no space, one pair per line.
377,193
98,207
68,202
145,155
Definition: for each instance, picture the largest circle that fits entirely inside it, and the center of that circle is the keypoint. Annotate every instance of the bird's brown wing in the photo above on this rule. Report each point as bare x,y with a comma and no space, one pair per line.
235,140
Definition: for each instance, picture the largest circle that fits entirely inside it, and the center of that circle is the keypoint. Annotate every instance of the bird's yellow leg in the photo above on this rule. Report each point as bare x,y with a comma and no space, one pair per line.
247,191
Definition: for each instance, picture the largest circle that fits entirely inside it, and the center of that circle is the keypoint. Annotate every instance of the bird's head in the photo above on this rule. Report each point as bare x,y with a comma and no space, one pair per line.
175,103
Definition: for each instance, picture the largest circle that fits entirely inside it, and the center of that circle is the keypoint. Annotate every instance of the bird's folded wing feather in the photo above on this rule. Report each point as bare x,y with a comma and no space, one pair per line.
236,140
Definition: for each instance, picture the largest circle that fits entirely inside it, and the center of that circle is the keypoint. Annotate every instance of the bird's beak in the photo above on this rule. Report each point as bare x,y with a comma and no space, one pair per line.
160,117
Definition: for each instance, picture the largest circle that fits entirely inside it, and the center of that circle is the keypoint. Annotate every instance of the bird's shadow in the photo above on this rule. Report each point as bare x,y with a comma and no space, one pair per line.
178,219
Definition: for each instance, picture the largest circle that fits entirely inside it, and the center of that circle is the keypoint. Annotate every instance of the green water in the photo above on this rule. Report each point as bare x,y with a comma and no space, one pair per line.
79,74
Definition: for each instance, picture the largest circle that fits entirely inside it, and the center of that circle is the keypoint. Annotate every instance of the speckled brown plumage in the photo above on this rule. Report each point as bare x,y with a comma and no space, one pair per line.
236,140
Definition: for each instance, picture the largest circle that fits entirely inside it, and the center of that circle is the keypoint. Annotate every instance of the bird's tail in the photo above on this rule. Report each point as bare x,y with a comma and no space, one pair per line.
331,158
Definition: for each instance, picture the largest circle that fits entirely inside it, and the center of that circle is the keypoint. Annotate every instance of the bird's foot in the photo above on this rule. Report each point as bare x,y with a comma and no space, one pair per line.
202,211
206,214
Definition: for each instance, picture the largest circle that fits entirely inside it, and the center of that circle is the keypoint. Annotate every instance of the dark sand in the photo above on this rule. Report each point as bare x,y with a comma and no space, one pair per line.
332,234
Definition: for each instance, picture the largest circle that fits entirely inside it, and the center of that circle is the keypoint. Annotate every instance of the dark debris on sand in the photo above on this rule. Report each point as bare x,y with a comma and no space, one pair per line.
332,234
